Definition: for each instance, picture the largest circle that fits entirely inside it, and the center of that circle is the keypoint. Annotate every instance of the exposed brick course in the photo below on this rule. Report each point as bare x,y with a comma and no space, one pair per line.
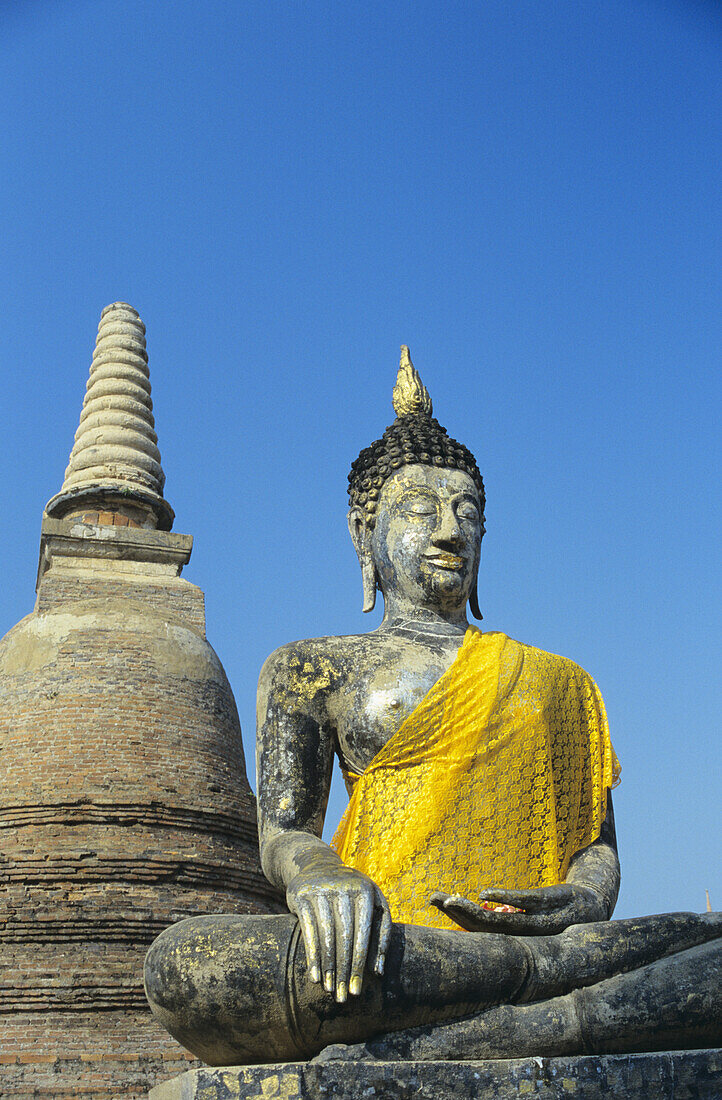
125,807
85,1068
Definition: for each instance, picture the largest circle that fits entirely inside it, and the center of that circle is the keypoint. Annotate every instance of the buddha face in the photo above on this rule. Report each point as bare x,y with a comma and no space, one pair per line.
426,541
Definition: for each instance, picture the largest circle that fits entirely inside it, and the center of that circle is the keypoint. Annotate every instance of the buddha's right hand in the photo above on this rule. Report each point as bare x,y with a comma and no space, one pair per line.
345,922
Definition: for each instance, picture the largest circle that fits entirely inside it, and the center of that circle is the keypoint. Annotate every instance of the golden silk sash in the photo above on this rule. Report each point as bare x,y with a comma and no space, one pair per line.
497,778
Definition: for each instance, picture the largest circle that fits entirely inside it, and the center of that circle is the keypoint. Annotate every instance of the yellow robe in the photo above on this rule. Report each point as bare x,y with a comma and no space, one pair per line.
497,778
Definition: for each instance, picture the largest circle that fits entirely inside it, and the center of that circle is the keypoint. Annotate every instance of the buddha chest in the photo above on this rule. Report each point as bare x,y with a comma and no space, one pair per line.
377,699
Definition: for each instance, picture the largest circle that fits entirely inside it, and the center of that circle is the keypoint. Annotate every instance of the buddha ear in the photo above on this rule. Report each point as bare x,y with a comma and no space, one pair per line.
474,594
474,600
359,531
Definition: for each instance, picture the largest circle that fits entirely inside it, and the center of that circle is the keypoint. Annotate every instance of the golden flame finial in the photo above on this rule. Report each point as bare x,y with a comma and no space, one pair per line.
410,395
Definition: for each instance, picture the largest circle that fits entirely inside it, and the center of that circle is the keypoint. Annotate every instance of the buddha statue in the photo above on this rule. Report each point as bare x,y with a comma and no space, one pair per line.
463,908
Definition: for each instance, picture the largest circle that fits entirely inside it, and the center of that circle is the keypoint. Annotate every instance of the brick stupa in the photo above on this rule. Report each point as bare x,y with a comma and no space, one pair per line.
125,800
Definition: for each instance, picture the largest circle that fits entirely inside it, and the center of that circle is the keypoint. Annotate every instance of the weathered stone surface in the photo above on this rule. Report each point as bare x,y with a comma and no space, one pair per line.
694,1075
235,990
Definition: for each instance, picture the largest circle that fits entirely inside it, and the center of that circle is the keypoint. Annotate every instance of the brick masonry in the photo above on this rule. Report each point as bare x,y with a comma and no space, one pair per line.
125,807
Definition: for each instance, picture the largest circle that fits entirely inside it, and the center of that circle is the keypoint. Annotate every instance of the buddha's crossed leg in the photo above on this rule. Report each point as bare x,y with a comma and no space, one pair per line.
235,990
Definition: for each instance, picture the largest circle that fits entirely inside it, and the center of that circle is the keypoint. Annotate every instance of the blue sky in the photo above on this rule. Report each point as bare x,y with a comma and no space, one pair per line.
527,194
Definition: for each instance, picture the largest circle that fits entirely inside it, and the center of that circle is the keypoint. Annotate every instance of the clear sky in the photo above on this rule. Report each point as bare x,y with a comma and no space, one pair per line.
526,193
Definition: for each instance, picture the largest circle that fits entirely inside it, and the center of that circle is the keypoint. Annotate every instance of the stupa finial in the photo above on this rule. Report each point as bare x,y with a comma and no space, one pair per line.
410,396
115,461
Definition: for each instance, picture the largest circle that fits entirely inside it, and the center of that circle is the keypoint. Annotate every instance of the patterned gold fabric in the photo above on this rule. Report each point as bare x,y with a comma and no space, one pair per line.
497,778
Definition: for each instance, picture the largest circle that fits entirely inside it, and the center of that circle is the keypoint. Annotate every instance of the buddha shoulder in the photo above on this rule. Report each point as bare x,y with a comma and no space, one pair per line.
542,676
312,670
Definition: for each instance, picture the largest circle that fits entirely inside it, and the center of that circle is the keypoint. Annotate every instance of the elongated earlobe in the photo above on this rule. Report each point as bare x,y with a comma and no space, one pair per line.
368,575
474,601
359,532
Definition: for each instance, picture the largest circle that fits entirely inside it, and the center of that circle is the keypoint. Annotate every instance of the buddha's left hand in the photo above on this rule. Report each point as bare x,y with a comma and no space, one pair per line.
544,911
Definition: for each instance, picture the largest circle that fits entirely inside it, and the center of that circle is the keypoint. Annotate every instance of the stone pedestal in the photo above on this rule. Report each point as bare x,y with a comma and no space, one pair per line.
671,1075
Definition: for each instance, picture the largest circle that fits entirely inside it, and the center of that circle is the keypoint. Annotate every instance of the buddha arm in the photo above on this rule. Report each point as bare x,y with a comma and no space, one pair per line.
294,758
596,867
338,908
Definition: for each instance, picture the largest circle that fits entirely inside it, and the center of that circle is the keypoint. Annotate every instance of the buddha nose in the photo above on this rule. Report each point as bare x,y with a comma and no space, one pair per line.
448,529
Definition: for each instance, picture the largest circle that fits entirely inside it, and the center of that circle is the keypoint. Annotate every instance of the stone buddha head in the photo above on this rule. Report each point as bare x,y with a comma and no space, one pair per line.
417,509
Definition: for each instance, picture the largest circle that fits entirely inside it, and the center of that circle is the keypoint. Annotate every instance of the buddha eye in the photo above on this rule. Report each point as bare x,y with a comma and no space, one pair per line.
467,510
421,506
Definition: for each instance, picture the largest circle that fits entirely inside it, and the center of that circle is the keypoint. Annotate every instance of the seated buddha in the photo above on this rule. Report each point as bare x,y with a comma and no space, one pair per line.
463,908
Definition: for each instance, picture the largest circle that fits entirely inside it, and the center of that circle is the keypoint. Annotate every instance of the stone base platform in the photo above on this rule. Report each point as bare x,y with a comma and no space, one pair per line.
672,1075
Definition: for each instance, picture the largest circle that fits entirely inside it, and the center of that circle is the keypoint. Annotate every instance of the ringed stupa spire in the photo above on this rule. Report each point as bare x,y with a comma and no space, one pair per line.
115,465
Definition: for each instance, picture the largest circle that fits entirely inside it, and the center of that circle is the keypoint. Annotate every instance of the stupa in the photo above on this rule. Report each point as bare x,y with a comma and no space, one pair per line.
125,799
